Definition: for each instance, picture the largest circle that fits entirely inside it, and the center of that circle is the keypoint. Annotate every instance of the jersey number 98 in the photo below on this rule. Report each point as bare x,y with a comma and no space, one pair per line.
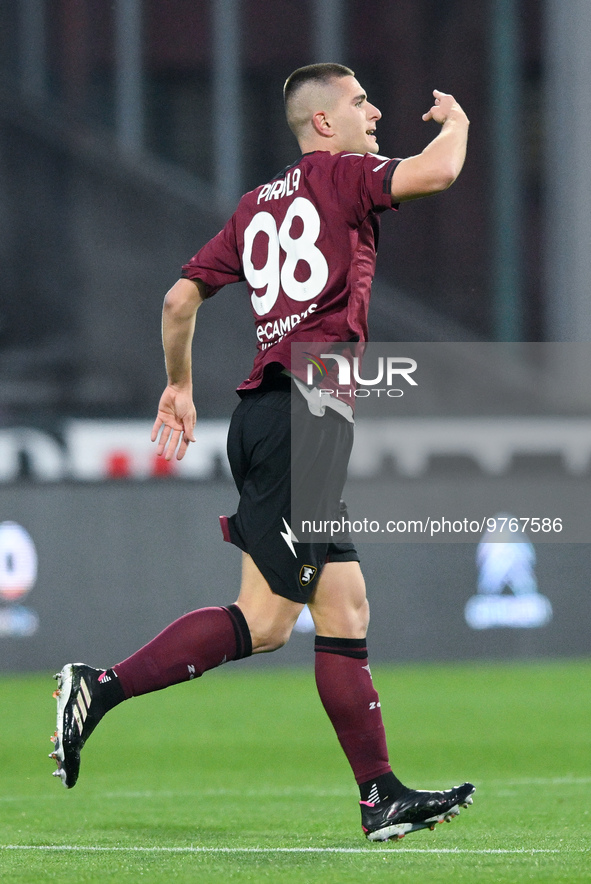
271,276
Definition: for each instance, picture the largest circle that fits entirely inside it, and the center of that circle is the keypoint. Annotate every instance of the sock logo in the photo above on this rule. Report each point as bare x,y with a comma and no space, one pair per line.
191,669
307,574
375,705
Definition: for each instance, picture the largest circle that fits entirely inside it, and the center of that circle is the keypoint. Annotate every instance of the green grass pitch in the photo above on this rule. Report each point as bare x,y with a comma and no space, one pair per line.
238,777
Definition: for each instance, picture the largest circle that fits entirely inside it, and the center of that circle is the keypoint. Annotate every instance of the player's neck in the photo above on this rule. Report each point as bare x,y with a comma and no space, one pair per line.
312,145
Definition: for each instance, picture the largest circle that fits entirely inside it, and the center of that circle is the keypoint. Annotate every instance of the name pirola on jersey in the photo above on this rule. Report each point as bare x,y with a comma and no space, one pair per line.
305,243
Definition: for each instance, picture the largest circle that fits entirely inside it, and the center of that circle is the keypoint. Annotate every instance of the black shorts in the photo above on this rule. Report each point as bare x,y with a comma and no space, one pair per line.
259,451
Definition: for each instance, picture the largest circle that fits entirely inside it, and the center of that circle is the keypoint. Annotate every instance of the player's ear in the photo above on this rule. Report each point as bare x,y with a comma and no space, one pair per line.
321,124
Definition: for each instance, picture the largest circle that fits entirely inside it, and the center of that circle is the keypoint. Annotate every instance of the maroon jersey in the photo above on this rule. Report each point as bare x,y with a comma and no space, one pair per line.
306,245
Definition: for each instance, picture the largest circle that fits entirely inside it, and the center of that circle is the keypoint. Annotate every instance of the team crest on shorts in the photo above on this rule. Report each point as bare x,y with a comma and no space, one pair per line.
307,574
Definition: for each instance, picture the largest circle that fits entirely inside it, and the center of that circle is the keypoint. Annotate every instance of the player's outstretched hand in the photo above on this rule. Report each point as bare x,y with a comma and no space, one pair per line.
175,423
445,106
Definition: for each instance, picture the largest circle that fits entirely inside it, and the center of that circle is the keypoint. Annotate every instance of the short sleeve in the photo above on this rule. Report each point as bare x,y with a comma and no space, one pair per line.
218,263
366,180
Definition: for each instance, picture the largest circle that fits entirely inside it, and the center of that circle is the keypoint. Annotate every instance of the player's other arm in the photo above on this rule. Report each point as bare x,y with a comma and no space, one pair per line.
176,411
440,163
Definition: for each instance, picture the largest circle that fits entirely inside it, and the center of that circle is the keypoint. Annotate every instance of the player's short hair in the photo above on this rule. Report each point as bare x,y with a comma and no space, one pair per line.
321,73
313,73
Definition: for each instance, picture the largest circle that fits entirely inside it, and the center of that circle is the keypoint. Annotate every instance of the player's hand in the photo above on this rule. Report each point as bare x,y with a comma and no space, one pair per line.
175,422
444,107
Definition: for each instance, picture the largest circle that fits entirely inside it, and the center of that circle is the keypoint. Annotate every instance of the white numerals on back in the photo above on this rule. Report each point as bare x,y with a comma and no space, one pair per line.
268,274
301,248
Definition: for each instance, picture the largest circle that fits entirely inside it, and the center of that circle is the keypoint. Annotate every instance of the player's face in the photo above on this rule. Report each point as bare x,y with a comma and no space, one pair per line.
354,119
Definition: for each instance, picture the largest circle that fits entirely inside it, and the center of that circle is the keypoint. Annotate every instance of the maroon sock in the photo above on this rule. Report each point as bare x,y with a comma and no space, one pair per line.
186,649
352,704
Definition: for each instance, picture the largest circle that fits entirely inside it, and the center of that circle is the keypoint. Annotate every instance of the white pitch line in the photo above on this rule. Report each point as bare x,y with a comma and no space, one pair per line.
338,850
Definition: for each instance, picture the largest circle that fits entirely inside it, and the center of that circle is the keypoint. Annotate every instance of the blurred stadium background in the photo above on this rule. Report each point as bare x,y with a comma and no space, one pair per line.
127,132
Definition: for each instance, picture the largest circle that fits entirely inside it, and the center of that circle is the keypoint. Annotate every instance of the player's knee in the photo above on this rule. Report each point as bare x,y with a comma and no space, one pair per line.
349,620
269,637
358,617
362,614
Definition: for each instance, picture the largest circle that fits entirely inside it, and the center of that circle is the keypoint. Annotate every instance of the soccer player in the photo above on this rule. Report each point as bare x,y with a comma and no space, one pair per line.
305,243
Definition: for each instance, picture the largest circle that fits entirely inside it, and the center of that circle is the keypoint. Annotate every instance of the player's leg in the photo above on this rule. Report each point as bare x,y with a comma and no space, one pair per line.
201,640
270,617
339,604
187,648
341,616
208,637
340,612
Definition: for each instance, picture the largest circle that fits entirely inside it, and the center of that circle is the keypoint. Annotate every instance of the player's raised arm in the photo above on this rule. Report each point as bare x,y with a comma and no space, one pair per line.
176,412
440,163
